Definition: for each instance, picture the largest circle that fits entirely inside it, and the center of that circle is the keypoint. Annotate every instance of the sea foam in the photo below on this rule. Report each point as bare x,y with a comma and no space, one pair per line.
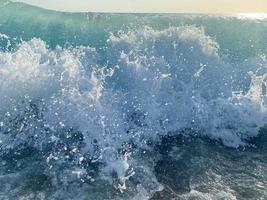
94,117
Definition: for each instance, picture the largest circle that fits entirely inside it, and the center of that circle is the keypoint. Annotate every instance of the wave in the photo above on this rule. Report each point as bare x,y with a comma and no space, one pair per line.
89,96
238,38
94,118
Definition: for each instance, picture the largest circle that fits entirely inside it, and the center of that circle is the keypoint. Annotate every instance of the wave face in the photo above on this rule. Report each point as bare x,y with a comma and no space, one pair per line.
86,100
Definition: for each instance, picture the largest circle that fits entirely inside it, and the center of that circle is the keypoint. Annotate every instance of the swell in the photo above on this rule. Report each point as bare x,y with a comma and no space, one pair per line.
238,38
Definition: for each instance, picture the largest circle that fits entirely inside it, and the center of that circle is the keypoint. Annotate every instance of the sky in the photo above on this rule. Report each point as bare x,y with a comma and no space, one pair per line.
157,6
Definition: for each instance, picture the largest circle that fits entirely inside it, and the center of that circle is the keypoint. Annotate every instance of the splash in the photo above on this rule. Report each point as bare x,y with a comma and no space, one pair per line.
95,122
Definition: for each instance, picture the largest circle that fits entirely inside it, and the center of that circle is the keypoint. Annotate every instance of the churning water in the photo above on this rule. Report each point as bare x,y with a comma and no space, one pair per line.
131,106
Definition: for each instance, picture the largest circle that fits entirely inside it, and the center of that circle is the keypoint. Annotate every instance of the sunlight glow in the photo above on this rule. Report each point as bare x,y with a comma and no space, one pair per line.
259,16
155,6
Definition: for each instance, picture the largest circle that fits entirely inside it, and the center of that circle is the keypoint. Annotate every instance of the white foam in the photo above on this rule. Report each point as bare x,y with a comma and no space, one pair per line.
155,83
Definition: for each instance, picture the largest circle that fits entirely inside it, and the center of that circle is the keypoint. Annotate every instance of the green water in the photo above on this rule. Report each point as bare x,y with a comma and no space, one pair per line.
239,39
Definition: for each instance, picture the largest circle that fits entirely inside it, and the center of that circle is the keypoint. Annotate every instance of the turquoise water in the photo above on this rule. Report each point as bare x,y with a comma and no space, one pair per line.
131,106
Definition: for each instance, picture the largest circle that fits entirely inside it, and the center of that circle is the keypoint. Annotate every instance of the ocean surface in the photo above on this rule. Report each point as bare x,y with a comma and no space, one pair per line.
131,106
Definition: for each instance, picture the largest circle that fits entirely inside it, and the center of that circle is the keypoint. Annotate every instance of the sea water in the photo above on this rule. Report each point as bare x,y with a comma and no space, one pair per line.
131,106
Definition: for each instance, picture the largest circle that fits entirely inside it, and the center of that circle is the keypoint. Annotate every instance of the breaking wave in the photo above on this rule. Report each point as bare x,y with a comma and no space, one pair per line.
99,122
